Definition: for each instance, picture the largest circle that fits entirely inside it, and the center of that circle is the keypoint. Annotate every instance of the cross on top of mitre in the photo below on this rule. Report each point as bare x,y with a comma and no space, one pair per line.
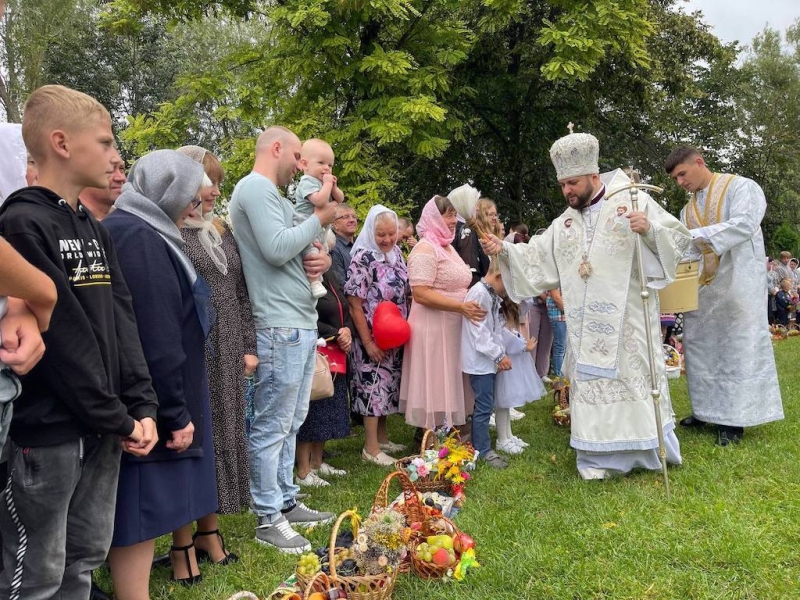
570,125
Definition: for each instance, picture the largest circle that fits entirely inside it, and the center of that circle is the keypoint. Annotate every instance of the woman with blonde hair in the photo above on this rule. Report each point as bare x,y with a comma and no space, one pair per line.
230,354
467,237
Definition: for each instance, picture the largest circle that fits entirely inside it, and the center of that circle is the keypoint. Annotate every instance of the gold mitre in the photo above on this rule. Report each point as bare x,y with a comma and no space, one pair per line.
575,154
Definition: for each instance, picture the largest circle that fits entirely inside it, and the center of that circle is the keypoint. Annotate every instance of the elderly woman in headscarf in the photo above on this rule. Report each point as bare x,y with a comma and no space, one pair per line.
176,483
432,392
377,273
230,354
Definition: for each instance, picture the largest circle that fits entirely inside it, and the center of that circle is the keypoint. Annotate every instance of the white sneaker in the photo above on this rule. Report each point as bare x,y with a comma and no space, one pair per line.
318,290
515,414
311,480
329,471
492,422
546,379
509,447
520,442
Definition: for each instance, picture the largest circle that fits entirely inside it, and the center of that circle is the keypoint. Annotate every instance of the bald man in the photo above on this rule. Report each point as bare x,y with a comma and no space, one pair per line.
271,247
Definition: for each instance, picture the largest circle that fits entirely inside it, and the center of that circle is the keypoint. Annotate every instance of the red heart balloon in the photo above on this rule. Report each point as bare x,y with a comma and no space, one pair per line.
389,328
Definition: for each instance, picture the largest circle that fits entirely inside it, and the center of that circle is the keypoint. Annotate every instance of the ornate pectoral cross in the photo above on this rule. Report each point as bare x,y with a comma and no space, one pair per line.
585,268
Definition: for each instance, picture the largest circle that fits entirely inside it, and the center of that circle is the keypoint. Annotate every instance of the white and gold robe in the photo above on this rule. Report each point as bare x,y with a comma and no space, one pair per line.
730,364
613,420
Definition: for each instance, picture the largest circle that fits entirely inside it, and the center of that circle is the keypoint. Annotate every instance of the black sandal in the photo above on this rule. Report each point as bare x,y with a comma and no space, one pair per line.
203,555
192,579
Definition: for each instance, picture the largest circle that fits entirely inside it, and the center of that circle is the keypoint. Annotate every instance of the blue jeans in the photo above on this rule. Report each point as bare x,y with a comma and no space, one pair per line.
280,405
483,390
559,345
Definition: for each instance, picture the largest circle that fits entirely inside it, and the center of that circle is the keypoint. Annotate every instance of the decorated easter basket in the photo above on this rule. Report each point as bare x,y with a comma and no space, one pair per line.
359,587
411,508
429,570
429,483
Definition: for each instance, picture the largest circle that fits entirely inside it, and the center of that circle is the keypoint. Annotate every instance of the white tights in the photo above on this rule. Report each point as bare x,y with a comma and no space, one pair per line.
502,420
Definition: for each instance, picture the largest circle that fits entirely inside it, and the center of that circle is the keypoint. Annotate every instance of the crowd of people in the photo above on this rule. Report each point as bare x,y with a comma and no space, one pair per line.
783,283
134,316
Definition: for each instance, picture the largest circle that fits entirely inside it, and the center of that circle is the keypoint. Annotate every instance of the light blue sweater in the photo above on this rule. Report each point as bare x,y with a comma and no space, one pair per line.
272,254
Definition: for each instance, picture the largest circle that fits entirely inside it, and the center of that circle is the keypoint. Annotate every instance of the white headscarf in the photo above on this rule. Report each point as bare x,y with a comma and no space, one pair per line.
209,237
366,239
13,159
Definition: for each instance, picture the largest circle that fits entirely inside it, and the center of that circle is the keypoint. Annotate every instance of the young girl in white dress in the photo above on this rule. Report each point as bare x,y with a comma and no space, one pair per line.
517,386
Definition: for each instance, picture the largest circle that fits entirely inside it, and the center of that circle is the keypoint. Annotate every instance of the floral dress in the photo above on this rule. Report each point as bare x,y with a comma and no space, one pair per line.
375,388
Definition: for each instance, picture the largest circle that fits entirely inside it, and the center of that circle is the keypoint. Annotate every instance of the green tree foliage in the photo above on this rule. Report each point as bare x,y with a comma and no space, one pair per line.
769,124
385,81
638,109
419,96
785,237
26,31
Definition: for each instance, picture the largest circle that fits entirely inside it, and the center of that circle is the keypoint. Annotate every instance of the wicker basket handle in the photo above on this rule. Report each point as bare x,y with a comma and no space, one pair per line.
382,496
319,579
424,445
335,531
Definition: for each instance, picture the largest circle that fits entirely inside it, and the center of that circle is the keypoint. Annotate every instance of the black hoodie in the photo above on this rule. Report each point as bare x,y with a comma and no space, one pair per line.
93,378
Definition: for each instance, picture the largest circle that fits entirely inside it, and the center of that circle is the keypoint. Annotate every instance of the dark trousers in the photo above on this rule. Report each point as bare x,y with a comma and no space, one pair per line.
57,517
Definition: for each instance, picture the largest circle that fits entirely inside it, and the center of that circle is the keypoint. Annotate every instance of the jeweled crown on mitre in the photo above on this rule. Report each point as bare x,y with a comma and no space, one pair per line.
575,154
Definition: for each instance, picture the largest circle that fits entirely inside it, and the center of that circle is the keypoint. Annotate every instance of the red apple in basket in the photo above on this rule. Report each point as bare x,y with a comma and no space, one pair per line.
462,542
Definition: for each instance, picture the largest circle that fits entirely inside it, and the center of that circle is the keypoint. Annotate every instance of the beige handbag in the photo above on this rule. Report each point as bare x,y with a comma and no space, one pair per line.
322,385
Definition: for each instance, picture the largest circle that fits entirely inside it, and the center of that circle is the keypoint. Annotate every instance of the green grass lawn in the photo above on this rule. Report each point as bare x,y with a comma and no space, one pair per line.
731,529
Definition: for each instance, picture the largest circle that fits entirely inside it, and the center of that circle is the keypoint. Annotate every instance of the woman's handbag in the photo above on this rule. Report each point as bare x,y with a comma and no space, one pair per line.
322,385
337,359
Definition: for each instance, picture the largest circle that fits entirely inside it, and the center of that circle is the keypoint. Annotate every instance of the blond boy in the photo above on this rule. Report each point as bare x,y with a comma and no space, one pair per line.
316,188
91,393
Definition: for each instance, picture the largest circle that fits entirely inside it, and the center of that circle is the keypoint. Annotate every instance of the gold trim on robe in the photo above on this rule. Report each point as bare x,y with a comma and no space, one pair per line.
712,214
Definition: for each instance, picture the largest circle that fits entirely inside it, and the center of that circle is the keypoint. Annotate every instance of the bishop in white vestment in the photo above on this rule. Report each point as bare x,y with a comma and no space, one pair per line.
589,252
730,363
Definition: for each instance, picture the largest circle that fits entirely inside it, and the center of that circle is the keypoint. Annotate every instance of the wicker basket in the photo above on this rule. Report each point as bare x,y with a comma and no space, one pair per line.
428,483
561,414
426,570
359,587
412,508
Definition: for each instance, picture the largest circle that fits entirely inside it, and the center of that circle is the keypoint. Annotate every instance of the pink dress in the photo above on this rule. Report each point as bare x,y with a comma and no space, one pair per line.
432,389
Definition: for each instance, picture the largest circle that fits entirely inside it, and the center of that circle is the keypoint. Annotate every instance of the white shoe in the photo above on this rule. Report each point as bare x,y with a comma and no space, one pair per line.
520,442
492,422
546,379
515,414
329,471
382,459
318,290
509,447
392,447
311,480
